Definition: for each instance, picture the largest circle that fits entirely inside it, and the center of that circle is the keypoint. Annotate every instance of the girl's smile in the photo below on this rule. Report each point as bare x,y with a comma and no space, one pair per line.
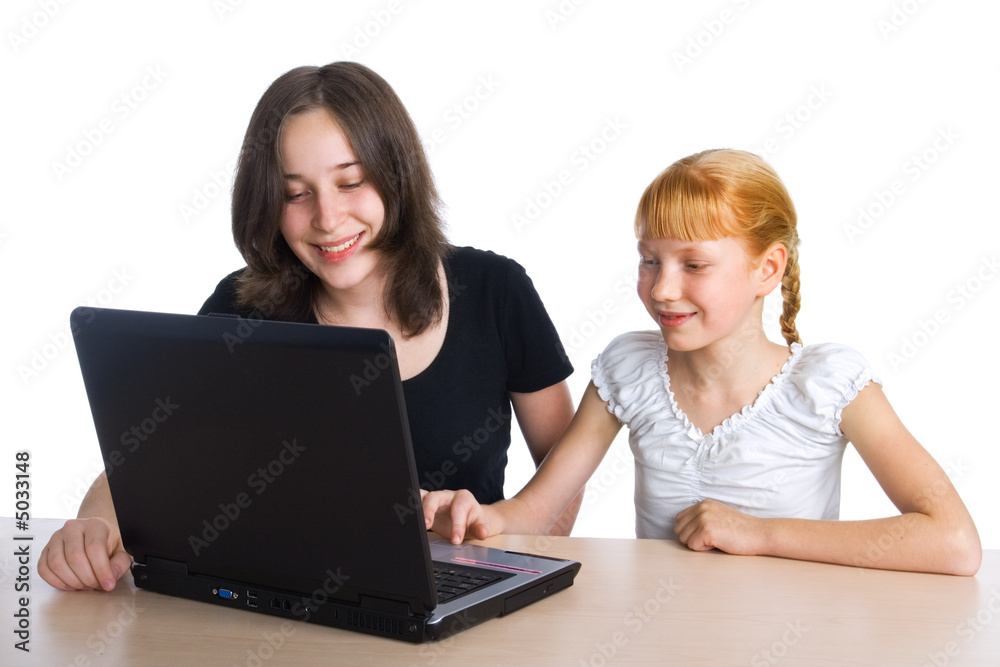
338,251
672,319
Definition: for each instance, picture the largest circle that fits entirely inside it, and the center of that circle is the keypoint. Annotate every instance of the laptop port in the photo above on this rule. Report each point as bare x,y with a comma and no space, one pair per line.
225,593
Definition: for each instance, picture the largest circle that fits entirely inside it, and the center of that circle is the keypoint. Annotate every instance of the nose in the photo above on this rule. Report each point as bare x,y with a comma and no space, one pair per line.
666,286
330,211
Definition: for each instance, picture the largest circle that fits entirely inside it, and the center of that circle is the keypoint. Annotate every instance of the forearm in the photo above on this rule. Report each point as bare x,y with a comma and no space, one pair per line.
912,541
97,502
552,499
523,515
933,533
564,524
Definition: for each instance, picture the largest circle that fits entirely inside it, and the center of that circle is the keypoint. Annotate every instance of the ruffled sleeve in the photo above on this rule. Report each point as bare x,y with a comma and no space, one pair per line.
627,374
825,380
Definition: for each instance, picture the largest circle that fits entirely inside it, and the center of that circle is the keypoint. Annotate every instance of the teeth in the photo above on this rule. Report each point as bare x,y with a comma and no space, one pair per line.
343,246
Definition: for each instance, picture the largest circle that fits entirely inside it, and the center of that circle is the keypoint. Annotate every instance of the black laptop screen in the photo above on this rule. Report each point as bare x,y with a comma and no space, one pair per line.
233,445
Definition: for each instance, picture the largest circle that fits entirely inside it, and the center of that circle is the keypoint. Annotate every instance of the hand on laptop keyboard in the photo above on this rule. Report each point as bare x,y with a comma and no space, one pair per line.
456,515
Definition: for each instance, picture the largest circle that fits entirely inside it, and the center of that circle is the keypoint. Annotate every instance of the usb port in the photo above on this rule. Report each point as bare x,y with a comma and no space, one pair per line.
252,595
251,603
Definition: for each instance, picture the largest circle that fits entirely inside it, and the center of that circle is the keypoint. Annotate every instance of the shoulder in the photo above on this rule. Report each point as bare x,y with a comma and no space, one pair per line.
825,378
633,346
223,299
473,261
630,359
628,374
833,361
493,301
490,276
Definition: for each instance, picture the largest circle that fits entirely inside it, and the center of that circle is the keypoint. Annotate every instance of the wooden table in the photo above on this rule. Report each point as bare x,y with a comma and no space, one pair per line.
634,602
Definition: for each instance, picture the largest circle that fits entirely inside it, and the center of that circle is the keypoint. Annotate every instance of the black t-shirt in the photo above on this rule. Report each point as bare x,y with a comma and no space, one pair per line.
499,339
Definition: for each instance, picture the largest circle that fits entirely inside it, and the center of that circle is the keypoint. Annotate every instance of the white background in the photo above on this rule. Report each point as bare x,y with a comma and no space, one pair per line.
122,119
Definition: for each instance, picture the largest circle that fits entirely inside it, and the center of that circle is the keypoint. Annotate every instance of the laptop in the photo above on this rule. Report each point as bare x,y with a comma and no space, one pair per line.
267,466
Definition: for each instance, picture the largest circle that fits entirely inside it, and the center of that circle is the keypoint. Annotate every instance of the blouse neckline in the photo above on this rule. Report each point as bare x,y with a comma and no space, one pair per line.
735,421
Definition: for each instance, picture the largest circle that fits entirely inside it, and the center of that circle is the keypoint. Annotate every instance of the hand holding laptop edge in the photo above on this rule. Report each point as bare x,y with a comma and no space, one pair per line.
87,552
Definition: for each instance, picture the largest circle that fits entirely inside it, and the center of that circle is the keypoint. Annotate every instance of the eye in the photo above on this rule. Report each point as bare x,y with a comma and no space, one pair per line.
295,196
647,262
695,266
352,179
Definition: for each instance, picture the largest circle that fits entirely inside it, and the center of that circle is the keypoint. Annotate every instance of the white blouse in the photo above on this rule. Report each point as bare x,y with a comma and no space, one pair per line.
779,457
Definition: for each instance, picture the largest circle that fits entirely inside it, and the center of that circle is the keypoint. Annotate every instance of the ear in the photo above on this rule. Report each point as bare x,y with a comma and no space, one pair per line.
772,268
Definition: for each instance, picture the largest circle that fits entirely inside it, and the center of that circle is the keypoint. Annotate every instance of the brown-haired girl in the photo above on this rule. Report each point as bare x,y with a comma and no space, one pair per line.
336,214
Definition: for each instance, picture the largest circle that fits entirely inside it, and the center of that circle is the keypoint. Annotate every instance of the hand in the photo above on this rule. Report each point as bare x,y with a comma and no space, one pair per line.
455,515
85,554
714,525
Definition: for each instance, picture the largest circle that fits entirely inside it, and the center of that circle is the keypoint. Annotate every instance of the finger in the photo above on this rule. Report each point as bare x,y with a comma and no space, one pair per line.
99,548
682,516
464,509
58,570
681,523
693,532
458,525
48,574
698,536
484,523
82,557
683,532
432,504
121,562
479,529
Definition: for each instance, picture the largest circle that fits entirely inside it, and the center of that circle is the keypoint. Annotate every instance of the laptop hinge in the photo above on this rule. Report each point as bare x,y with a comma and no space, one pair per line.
394,607
166,565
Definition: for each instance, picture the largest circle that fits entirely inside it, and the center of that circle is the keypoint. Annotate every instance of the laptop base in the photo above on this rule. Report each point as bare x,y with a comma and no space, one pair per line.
320,610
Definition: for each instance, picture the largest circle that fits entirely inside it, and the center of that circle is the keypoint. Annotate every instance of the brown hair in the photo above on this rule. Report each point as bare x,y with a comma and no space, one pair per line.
720,193
411,242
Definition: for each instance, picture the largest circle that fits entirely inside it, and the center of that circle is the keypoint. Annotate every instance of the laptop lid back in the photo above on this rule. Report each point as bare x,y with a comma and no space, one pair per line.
266,452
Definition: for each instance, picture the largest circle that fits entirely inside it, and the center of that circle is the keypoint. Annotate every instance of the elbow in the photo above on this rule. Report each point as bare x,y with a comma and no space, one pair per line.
966,554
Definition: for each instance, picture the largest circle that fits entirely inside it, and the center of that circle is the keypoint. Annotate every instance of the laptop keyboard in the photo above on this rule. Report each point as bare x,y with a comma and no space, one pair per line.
454,580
